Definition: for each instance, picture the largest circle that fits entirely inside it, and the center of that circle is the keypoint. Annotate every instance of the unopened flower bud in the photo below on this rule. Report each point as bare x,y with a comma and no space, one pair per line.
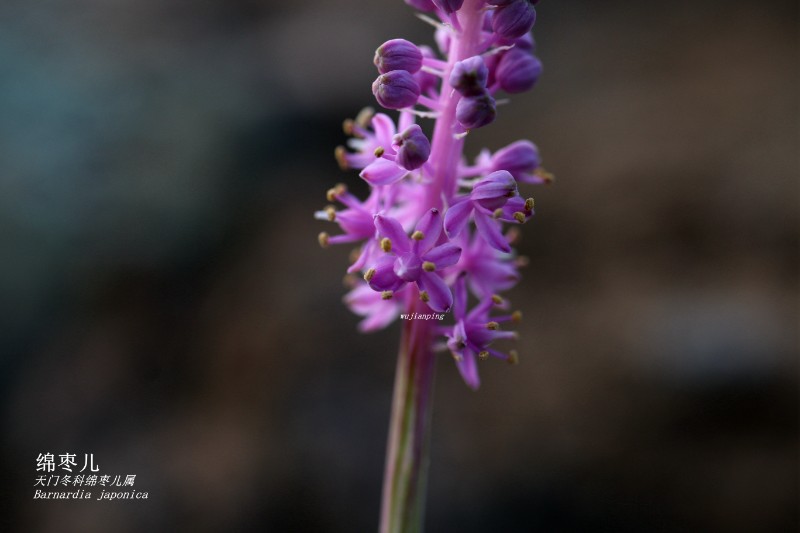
493,191
469,76
396,89
448,6
518,157
513,19
412,146
518,71
476,111
422,5
398,54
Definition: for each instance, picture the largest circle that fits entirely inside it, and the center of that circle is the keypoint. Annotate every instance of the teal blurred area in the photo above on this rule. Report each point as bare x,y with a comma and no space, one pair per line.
164,304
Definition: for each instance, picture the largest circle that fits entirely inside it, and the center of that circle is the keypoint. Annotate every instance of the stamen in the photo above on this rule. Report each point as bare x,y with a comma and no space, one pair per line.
331,212
369,274
498,213
544,175
459,136
364,117
519,216
341,157
492,325
424,296
336,191
516,316
513,357
529,204
418,235
379,151
435,23
348,126
386,245
387,295
323,239
483,356
428,266
497,299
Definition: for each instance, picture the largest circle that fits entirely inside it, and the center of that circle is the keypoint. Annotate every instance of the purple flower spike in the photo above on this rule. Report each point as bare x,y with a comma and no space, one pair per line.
412,146
448,6
414,259
469,77
396,89
518,71
398,54
514,19
476,111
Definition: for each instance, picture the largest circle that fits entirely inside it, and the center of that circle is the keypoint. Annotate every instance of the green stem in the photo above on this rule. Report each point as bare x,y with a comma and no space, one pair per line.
407,458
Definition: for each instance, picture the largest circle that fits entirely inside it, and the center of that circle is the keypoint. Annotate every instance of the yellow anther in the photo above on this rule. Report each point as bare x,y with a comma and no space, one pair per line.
424,296
544,175
379,151
386,244
484,355
496,299
336,191
418,235
513,357
492,325
387,295
369,274
323,239
331,212
428,266
529,205
516,316
497,213
519,216
347,126
341,157
365,116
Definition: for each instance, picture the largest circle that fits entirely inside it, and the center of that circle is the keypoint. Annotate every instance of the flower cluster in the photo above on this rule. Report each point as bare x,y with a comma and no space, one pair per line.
436,229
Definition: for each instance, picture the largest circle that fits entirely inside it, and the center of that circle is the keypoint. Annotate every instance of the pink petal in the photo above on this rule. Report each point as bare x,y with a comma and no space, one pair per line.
444,255
441,299
456,217
489,229
390,228
383,172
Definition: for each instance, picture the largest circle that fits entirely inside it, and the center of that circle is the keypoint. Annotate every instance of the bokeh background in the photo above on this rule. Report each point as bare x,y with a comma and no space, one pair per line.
164,304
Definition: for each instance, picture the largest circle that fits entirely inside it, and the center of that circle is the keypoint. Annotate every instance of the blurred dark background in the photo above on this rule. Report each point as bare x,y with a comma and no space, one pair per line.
164,304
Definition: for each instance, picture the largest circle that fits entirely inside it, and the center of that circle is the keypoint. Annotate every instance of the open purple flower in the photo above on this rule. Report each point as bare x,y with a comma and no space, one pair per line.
414,259
473,334
487,196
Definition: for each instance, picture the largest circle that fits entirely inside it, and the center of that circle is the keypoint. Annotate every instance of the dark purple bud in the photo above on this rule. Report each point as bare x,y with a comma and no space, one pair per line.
476,111
398,54
422,5
517,158
448,6
514,19
412,146
517,71
469,76
493,191
396,89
